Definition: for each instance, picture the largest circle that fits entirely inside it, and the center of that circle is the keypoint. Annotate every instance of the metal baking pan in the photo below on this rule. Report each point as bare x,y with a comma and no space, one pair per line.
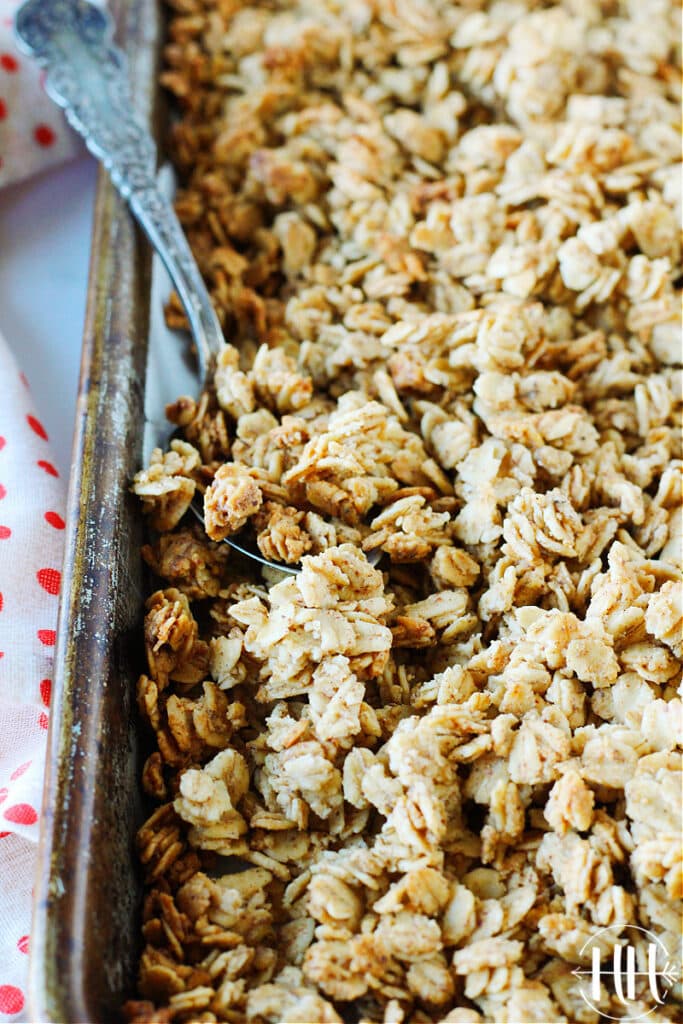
88,889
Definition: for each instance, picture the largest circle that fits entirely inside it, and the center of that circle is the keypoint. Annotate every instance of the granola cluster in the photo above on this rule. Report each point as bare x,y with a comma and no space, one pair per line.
443,241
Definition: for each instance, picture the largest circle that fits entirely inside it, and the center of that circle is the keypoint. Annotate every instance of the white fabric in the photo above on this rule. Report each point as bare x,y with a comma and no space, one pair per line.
31,545
33,132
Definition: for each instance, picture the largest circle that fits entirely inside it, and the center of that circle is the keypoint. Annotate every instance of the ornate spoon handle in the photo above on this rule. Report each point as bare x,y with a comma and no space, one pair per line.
87,76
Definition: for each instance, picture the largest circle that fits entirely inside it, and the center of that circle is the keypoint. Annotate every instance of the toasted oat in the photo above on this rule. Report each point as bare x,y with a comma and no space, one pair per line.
231,499
185,559
167,486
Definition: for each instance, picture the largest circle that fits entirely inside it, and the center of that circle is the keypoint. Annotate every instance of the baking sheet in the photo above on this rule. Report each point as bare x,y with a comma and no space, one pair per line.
88,890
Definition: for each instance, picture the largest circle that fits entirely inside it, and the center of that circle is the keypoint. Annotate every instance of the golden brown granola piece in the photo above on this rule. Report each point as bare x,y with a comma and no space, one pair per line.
337,600
453,567
231,499
188,729
287,1000
170,633
281,533
234,390
208,801
408,530
331,966
160,843
153,781
277,382
203,425
359,461
167,486
570,804
187,561
142,1011
409,632
664,616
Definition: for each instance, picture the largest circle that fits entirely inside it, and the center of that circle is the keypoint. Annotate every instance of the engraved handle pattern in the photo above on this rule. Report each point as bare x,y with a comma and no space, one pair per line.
87,76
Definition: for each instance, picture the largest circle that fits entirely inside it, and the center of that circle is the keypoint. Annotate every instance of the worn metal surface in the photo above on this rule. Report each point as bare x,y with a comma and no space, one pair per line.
88,890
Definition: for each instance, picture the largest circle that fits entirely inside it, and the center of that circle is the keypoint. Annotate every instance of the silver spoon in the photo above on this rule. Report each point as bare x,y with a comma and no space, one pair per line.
87,76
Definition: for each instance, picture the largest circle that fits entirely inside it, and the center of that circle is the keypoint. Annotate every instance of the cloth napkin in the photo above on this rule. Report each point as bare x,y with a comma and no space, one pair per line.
31,544
33,136
33,132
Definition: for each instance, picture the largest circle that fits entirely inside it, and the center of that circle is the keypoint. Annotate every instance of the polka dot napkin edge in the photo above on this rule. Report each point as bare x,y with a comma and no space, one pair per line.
34,134
31,548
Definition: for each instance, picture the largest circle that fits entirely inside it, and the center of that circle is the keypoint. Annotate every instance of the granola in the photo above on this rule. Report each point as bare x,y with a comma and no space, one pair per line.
443,243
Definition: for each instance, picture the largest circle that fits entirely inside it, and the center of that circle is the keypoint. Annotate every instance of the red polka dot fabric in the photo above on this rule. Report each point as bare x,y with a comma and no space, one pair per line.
33,132
32,528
